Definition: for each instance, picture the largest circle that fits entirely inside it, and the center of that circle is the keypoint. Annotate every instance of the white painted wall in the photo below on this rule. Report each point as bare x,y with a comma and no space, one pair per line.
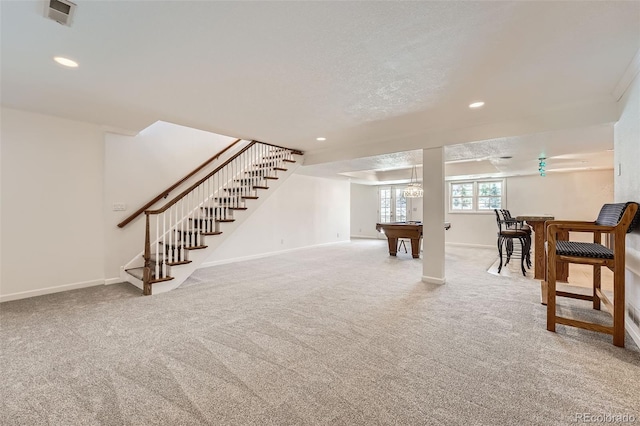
305,211
137,168
52,215
627,188
364,211
60,178
570,195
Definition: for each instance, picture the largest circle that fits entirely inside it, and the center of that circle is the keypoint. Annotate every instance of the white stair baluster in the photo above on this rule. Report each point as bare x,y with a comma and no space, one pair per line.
170,237
158,249
164,240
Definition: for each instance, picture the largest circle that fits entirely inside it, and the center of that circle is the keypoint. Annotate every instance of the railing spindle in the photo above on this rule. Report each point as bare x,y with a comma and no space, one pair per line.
158,250
146,271
163,268
171,238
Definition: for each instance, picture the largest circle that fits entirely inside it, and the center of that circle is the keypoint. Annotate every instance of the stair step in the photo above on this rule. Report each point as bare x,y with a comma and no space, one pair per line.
180,244
243,188
211,219
249,180
250,197
189,231
272,177
219,211
160,280
179,262
189,236
286,160
177,255
260,187
259,172
154,257
282,169
136,272
227,200
212,233
139,274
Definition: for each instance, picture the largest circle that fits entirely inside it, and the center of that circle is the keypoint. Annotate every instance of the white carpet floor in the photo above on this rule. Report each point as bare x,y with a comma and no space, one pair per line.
340,335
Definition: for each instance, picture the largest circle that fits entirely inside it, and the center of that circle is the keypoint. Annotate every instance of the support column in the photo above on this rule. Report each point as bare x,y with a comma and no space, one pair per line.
433,205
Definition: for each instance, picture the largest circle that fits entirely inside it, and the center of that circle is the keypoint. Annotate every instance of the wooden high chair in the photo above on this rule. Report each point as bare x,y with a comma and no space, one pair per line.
614,219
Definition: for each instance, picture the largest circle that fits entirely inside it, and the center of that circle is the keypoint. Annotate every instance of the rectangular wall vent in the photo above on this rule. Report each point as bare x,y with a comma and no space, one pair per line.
60,11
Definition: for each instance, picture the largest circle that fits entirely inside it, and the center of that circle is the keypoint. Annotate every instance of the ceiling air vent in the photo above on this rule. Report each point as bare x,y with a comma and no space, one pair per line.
60,11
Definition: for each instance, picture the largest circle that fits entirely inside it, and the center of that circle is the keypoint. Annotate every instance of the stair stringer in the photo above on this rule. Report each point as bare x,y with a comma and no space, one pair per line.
197,257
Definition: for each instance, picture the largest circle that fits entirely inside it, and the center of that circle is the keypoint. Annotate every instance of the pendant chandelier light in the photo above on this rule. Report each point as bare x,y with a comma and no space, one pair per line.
414,189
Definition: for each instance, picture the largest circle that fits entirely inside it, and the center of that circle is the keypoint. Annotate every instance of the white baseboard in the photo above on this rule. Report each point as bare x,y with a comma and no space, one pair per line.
262,255
470,245
633,331
110,281
364,237
433,280
49,290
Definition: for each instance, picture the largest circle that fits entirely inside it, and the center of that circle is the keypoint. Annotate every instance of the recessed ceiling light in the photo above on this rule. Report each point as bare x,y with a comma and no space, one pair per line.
65,62
321,139
476,104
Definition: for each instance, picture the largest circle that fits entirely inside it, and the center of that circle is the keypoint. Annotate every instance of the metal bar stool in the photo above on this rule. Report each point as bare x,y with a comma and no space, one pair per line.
506,234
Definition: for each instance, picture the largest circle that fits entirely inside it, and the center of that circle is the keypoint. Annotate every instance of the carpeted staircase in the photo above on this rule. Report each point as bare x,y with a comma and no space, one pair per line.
183,233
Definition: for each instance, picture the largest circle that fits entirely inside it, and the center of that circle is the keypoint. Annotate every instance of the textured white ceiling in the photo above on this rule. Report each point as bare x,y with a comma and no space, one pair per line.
565,150
372,77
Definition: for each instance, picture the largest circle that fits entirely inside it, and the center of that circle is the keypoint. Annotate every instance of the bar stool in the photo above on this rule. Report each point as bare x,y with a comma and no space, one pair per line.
616,220
506,235
513,223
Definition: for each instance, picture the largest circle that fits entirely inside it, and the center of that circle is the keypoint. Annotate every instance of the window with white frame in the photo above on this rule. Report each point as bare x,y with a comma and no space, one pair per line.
476,196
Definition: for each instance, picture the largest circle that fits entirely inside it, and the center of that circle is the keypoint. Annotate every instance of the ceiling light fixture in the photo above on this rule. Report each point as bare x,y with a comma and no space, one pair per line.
66,62
414,189
476,104
321,139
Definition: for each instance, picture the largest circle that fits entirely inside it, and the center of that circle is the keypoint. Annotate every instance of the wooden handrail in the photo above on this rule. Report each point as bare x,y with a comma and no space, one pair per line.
195,185
166,192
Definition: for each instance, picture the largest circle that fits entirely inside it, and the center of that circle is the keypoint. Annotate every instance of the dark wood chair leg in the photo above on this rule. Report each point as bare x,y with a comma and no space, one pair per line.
551,290
618,304
596,286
